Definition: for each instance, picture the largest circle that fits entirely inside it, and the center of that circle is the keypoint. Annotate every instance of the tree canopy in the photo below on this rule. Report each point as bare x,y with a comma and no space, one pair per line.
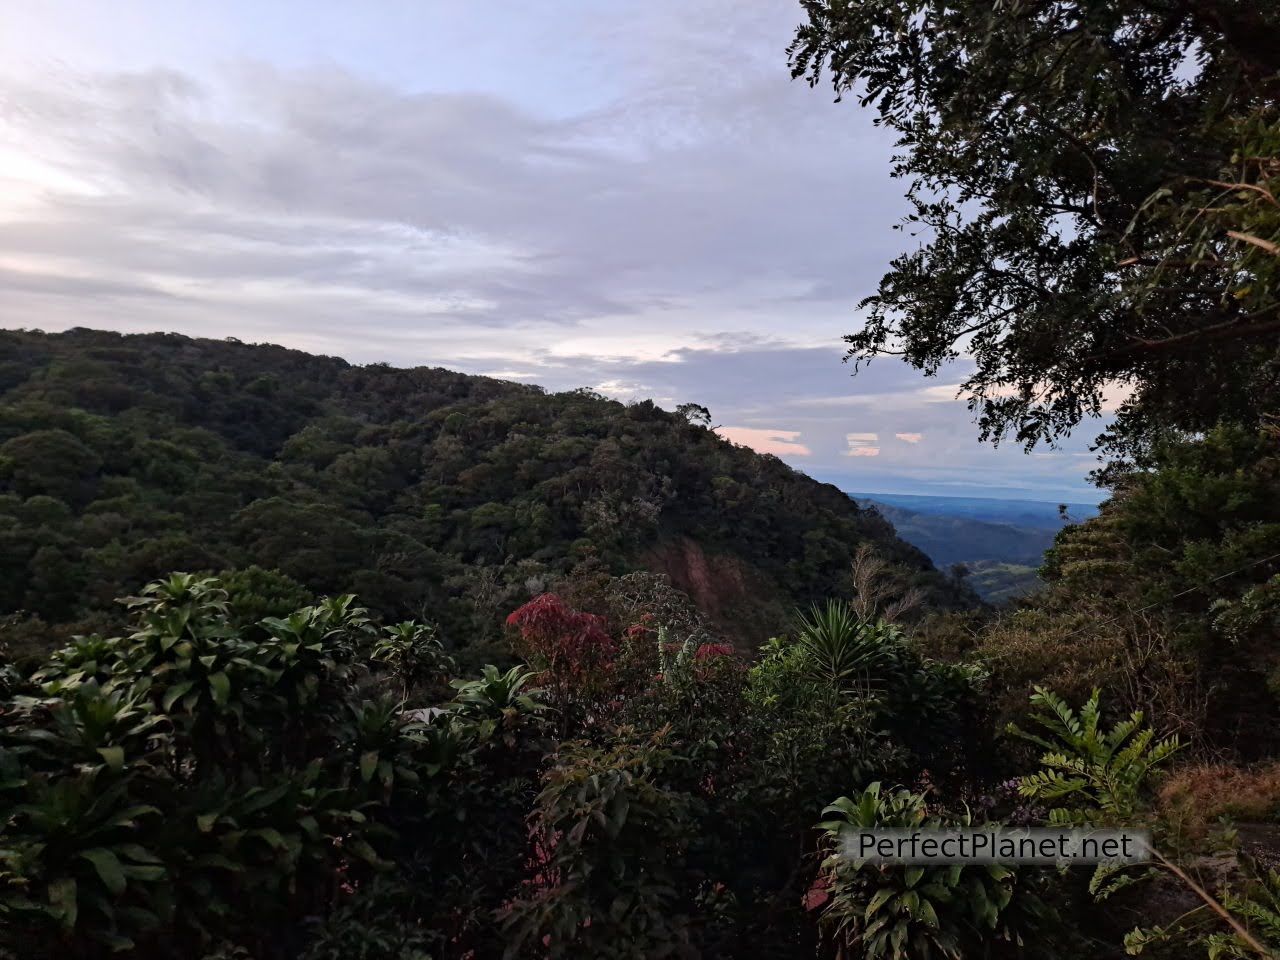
1094,190
435,494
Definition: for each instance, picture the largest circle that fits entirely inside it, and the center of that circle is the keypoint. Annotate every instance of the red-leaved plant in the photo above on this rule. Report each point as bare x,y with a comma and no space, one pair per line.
560,639
573,650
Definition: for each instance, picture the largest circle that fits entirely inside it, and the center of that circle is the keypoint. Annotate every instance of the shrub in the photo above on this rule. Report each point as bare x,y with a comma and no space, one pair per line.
887,911
845,650
572,650
1192,798
198,782
381,921
1094,776
607,864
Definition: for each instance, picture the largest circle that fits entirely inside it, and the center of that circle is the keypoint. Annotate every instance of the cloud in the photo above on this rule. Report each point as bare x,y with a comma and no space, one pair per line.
912,438
778,442
862,445
260,185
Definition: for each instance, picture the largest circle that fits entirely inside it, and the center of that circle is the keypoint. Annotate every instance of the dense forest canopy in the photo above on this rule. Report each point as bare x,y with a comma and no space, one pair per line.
432,494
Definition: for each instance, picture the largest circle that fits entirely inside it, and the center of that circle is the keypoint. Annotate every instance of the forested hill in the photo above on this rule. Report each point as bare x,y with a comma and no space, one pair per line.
429,493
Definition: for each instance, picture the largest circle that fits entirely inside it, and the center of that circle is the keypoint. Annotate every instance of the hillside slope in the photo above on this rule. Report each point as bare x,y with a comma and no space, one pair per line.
430,493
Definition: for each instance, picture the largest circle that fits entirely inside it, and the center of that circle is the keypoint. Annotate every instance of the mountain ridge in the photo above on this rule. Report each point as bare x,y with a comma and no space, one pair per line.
426,491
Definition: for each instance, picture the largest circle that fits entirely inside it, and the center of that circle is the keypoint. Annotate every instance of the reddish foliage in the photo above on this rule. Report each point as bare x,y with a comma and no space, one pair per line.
709,650
567,641
818,894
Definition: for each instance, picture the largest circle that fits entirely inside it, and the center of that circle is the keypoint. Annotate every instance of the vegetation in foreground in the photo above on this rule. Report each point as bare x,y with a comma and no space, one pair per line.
313,783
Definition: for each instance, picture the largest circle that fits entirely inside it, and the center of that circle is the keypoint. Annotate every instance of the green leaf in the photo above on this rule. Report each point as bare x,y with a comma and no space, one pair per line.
220,687
365,852
62,894
112,756
137,853
273,837
173,693
108,867
878,901
115,942
368,763
143,872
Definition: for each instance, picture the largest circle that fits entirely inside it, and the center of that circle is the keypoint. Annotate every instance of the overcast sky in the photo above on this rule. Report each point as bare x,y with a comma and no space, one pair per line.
635,198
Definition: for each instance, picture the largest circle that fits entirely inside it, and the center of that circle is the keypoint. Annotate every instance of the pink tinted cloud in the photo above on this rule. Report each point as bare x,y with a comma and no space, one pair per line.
778,442
862,445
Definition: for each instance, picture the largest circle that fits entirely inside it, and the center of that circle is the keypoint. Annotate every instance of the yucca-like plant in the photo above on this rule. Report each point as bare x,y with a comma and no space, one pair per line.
843,649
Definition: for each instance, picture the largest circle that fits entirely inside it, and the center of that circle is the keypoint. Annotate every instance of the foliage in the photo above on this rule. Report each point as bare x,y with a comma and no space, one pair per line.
1258,906
198,783
378,922
1094,189
888,911
608,843
572,650
416,655
844,650
1196,797
1250,909
1163,599
498,696
1095,776
431,494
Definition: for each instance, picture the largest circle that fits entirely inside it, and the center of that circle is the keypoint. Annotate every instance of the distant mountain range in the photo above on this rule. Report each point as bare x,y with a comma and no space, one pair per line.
1000,542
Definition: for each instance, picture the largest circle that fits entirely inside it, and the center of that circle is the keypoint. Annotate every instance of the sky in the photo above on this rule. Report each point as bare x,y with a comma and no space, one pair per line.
634,199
